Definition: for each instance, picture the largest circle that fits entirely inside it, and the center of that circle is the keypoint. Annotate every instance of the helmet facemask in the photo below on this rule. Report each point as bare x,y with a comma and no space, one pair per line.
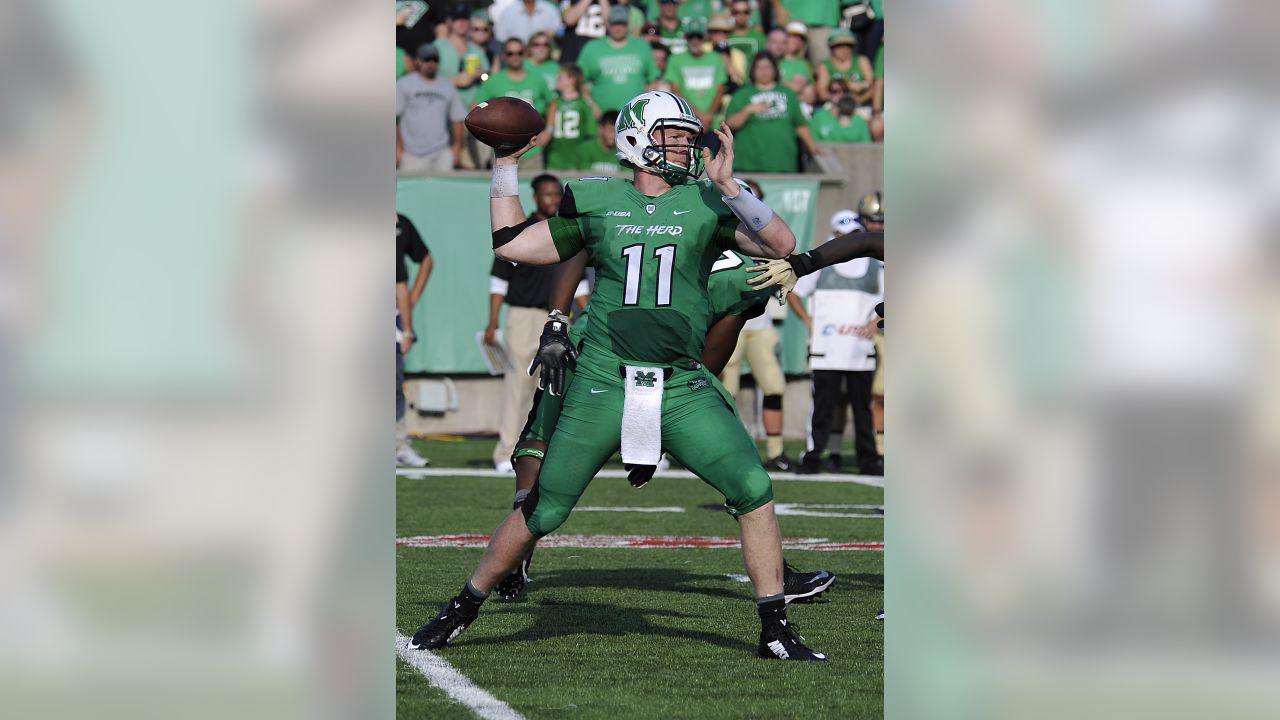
656,153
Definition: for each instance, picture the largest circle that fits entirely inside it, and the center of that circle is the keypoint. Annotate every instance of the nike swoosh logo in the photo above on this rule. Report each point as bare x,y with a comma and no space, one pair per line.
680,212
822,575
597,392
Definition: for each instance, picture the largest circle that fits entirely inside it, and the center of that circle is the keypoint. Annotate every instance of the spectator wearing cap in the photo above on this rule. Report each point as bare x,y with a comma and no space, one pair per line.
794,67
735,61
745,35
768,122
426,108
845,65
838,122
585,20
617,67
462,60
670,26
819,17
697,75
522,19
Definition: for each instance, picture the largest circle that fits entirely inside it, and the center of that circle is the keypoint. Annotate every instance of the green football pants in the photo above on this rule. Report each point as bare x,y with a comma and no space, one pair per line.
699,429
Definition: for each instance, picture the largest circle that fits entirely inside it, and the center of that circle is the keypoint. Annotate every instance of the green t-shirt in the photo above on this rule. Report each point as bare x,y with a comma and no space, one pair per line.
674,40
834,73
547,71
877,66
617,74
767,142
749,43
598,159
572,127
697,77
792,67
472,60
826,127
653,256
531,89
402,63
695,8
814,12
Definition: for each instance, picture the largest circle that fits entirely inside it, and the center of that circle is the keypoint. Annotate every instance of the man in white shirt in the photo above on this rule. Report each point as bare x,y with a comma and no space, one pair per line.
842,355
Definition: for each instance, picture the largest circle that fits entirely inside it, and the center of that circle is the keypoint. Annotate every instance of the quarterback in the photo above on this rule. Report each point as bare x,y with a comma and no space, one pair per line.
640,384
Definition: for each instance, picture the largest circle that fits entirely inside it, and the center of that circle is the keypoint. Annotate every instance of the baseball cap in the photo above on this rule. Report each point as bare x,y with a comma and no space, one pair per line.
695,26
720,22
619,14
845,221
459,11
841,36
795,27
427,52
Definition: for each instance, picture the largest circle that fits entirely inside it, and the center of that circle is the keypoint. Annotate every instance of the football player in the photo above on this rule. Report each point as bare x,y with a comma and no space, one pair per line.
641,385
734,303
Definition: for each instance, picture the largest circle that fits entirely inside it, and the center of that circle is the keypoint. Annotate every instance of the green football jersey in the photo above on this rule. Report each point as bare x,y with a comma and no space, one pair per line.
653,256
573,127
729,289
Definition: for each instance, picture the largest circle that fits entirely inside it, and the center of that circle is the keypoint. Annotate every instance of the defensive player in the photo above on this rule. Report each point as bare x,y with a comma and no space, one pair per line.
641,385
734,302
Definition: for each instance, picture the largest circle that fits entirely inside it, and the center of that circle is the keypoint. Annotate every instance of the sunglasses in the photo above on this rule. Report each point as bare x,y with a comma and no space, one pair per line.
511,53
741,12
533,45
479,28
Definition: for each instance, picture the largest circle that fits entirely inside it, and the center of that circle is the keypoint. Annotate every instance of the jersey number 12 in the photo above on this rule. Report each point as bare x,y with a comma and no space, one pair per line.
666,264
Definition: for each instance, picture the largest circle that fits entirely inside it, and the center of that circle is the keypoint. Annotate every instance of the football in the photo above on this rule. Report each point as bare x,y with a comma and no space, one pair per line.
504,123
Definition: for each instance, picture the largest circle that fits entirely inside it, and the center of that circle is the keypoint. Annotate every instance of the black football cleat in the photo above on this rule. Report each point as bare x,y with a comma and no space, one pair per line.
511,586
448,625
780,641
781,463
802,586
834,463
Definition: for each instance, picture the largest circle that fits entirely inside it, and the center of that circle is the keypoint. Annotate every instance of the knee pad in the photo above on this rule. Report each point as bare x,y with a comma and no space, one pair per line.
772,402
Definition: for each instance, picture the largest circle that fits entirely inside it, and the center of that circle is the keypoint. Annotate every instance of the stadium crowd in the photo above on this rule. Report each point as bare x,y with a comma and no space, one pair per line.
786,75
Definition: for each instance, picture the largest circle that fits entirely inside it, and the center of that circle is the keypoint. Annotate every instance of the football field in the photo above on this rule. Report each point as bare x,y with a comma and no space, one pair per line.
638,607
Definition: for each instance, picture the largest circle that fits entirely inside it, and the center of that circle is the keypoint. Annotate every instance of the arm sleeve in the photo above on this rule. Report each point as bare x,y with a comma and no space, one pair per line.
567,236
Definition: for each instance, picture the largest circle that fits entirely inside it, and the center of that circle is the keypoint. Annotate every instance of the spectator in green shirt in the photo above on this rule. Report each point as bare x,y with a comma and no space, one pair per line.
768,122
819,17
745,35
844,65
670,26
840,123
540,62
617,67
697,75
571,121
796,72
600,157
514,81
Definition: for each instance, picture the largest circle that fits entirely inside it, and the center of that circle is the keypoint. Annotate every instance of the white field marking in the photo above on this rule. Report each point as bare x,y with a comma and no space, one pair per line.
809,510
597,508
634,542
738,577
417,473
441,674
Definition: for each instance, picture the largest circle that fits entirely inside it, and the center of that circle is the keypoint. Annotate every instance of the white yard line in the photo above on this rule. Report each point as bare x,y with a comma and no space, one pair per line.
416,473
441,674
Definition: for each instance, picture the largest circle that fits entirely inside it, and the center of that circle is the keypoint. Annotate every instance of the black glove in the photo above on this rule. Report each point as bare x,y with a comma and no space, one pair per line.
555,353
880,312
639,475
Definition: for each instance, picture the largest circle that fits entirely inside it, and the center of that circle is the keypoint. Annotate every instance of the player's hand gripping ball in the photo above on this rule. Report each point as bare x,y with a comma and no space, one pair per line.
505,124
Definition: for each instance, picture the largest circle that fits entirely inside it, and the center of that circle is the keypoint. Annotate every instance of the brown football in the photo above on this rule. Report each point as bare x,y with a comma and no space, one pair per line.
504,122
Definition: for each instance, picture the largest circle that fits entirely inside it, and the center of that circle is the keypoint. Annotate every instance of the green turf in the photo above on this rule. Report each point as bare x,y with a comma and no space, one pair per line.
623,633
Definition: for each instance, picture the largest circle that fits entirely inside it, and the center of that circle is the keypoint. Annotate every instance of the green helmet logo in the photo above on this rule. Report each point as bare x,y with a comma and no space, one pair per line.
633,115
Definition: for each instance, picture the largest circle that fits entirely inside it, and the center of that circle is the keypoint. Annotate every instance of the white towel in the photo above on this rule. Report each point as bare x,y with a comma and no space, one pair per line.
642,415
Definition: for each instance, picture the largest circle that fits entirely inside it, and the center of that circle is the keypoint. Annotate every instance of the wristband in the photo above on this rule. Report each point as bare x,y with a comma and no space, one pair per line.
803,264
750,210
504,182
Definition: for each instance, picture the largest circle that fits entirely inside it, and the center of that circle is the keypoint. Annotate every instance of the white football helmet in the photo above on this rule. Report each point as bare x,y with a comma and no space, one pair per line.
636,124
